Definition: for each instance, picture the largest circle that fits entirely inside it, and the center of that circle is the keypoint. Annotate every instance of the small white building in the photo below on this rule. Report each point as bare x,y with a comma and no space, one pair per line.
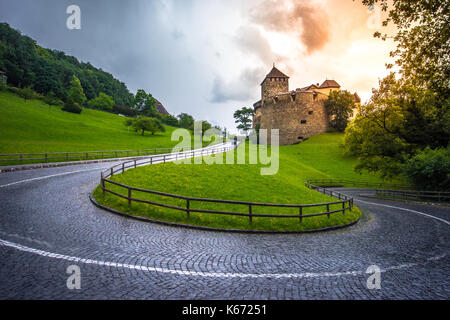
3,76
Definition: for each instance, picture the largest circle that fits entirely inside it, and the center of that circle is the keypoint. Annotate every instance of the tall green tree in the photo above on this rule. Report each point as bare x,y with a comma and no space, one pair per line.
76,93
423,40
243,117
185,121
145,103
340,105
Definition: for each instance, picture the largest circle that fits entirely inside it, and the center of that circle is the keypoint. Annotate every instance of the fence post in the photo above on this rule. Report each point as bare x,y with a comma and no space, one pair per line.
250,213
135,163
112,172
151,160
129,198
328,210
102,180
164,158
123,167
301,213
187,208
343,207
87,155
21,156
45,157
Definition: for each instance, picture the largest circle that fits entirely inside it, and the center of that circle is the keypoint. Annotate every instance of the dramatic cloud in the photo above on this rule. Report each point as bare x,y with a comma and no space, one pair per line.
250,40
305,18
240,89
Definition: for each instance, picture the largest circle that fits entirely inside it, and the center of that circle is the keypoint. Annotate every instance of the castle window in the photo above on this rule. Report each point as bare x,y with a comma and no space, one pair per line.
303,122
300,138
310,112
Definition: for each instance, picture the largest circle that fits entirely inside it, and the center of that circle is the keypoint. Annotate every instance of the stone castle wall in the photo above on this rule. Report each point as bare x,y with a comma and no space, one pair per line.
298,116
273,86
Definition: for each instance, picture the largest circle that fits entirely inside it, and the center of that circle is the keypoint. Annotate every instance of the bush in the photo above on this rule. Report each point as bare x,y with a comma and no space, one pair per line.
102,102
26,93
71,106
51,99
430,169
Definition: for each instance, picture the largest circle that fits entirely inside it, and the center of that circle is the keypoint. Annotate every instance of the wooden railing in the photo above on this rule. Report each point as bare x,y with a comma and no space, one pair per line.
344,203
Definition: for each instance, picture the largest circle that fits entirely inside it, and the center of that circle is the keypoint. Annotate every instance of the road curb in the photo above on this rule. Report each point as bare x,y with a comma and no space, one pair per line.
187,226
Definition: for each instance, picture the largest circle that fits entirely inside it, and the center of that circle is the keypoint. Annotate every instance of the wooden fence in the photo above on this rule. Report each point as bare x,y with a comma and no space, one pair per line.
344,202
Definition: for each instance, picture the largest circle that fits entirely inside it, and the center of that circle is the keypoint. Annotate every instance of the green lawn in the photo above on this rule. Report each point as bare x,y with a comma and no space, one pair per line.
318,158
34,127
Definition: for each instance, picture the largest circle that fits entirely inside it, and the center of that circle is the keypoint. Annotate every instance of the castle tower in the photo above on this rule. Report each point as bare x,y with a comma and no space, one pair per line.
274,83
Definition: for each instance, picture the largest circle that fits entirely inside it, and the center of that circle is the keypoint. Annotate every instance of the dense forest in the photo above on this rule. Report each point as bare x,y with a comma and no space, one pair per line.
29,65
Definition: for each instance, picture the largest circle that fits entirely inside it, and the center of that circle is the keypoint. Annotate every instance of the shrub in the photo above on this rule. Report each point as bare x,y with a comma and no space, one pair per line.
71,106
430,169
51,99
26,93
102,102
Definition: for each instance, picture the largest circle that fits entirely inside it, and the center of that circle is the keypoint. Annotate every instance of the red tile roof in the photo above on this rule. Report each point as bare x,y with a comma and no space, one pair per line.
329,84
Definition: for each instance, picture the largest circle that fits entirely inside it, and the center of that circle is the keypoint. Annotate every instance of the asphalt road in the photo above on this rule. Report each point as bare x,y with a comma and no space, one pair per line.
47,224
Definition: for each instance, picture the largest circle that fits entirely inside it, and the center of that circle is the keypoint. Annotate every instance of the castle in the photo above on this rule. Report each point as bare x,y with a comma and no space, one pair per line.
298,114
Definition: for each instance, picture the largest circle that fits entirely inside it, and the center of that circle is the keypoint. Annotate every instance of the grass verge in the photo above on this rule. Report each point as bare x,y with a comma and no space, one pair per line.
318,158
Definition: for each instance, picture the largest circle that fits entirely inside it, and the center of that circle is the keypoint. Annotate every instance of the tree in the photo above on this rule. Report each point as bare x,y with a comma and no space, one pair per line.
205,125
399,121
145,103
170,120
422,37
76,93
185,121
430,169
102,102
143,124
243,118
340,105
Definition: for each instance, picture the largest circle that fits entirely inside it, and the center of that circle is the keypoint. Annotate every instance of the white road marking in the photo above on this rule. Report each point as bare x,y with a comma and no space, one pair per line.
202,274
400,208
50,176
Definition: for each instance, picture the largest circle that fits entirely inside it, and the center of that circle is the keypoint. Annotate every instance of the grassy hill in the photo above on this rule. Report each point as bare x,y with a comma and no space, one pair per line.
318,158
33,127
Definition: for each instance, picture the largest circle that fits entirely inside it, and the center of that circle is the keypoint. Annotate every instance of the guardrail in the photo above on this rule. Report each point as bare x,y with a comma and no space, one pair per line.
82,155
414,195
342,183
344,204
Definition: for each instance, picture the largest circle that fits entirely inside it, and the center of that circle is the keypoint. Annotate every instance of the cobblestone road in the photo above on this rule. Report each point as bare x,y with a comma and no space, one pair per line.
48,224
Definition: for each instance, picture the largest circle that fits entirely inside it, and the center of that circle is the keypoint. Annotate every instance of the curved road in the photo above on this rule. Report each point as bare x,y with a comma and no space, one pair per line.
47,223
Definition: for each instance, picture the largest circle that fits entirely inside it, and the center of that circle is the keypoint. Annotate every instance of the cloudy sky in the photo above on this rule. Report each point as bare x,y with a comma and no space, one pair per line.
208,57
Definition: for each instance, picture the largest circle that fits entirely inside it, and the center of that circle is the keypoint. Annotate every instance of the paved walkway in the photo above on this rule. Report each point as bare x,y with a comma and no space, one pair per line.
47,223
